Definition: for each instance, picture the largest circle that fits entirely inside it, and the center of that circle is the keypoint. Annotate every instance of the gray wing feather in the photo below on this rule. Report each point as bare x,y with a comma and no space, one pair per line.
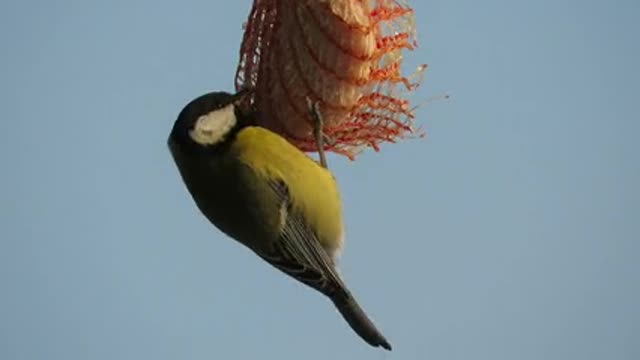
298,252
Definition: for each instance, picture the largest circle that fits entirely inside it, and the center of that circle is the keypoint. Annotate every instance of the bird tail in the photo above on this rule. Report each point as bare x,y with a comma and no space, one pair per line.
358,320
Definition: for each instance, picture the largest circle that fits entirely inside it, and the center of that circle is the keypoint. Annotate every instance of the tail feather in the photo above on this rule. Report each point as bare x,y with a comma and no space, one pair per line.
359,321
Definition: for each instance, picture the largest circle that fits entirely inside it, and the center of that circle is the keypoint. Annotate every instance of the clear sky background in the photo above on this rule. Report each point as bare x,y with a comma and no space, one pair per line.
511,232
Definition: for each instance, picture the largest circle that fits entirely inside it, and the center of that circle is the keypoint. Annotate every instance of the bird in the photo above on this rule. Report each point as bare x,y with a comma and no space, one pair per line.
259,189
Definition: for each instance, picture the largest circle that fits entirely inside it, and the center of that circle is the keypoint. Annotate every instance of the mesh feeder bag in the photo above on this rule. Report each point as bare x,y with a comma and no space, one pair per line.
346,55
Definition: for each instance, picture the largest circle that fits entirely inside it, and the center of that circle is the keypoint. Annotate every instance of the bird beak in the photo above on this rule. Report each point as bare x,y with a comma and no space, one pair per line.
240,97
242,101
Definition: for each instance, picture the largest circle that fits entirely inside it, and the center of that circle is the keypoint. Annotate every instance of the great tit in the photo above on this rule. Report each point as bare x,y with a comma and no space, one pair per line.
262,191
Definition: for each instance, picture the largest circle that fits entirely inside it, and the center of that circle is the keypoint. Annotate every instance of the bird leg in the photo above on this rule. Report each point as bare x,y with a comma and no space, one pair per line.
318,125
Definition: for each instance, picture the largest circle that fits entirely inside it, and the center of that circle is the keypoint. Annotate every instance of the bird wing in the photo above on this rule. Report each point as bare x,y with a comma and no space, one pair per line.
297,251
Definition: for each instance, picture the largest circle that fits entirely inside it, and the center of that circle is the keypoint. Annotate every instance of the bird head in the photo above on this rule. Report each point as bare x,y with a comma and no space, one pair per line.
209,120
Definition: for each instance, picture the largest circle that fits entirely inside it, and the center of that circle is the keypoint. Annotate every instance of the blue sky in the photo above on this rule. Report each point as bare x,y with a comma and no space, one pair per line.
510,232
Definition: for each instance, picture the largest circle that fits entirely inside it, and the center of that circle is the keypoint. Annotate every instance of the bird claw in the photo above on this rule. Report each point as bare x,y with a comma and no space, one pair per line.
318,124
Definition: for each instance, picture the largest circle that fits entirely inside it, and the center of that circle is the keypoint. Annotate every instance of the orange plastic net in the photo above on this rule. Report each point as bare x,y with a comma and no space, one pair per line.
344,54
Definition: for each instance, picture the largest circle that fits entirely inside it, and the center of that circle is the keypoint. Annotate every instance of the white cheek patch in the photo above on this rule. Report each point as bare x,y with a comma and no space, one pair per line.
212,128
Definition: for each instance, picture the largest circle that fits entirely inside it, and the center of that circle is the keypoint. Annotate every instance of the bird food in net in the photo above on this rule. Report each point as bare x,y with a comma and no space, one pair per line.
346,55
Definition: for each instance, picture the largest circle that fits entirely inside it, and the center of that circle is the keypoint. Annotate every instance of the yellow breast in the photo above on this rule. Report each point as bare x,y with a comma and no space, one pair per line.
313,188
